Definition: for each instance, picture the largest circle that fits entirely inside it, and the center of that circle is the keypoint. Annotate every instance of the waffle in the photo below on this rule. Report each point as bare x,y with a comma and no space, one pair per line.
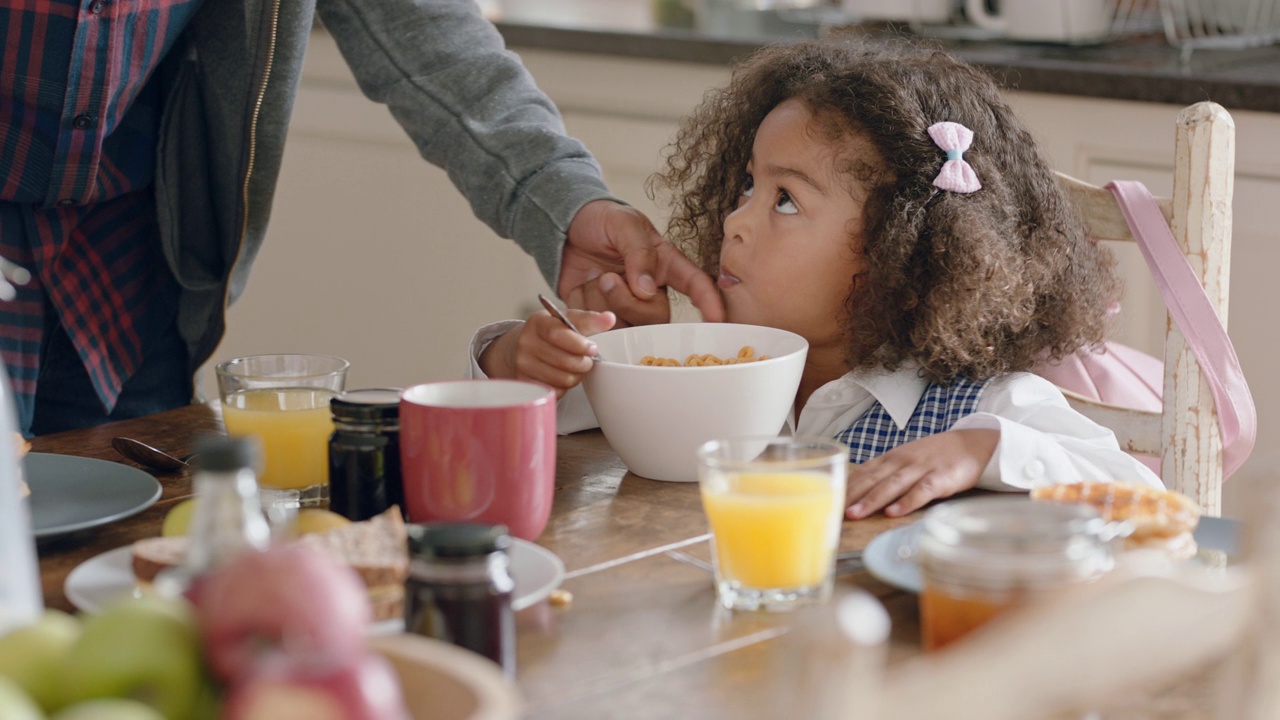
1161,519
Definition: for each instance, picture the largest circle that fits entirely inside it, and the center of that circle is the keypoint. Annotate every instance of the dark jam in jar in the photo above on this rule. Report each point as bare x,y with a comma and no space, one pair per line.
364,453
459,588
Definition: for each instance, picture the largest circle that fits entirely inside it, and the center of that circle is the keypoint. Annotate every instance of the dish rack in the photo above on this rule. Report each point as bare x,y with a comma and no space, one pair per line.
1186,24
1220,24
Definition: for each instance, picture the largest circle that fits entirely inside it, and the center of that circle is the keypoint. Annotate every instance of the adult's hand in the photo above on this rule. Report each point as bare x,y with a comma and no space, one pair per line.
607,236
610,292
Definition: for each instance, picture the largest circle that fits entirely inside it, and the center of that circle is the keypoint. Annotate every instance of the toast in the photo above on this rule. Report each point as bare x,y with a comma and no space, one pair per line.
377,549
1161,519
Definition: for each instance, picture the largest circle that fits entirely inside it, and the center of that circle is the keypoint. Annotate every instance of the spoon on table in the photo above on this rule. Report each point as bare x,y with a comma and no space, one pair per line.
144,454
551,308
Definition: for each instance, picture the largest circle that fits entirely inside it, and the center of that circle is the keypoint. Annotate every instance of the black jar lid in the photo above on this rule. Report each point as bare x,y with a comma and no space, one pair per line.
453,541
367,405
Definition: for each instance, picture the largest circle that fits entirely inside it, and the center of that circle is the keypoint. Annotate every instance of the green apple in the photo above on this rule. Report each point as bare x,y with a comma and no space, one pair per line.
15,704
108,709
34,656
146,649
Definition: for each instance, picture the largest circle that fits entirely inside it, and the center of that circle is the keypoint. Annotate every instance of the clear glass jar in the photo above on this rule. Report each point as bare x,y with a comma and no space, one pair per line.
982,556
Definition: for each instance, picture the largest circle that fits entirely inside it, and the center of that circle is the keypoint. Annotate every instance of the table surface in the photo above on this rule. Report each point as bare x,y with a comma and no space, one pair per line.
643,636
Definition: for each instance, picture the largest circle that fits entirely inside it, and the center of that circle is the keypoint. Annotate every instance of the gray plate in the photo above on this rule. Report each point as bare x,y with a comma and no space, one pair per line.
71,493
891,555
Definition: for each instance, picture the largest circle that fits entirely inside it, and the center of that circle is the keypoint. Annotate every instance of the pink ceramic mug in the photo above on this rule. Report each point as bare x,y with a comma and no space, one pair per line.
479,451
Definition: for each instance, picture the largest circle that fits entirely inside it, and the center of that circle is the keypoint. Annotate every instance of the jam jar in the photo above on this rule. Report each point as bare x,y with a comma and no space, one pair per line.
982,556
364,453
459,588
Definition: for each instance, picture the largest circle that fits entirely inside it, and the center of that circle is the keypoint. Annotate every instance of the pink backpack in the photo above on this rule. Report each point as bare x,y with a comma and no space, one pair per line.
1120,375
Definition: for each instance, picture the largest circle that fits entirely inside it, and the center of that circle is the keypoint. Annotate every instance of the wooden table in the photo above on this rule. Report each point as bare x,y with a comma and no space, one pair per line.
643,636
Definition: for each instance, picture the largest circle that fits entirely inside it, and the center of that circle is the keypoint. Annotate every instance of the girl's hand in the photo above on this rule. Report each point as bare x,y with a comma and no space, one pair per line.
910,475
546,351
608,292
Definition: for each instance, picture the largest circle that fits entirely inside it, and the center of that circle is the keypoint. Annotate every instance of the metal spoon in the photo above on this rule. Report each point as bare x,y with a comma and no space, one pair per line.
144,454
551,308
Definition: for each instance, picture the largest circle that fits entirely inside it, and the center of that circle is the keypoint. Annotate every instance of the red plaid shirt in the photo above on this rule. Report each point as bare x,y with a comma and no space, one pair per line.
78,124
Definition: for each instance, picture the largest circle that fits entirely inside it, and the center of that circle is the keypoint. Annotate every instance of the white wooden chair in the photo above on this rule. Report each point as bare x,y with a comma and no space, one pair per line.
1185,435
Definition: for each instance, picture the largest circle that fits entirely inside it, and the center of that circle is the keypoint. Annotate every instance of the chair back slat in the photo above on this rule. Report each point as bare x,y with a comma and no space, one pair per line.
1102,217
1137,431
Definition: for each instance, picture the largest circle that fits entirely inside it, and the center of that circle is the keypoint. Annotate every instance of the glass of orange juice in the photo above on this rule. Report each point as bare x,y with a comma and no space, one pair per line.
775,506
284,400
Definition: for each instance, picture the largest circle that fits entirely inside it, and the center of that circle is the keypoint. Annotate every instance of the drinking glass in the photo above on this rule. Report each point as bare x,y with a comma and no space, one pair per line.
284,400
775,507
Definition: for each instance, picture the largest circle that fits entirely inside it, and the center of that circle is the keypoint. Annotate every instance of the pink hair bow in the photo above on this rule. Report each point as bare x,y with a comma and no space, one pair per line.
956,174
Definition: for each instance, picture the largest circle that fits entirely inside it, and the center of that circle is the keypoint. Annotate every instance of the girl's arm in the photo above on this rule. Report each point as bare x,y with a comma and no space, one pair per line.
1023,435
1044,441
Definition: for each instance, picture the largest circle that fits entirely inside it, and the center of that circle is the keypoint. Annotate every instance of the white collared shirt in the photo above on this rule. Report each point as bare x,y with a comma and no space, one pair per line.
1043,441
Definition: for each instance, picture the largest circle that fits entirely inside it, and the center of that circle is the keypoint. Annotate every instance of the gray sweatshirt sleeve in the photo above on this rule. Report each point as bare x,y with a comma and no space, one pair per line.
472,109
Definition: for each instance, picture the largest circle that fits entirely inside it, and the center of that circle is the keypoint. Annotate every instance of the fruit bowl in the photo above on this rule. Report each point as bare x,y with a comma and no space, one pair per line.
444,682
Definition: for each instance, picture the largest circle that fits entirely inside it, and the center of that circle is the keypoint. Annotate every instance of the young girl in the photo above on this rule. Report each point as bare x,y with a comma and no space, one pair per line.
886,205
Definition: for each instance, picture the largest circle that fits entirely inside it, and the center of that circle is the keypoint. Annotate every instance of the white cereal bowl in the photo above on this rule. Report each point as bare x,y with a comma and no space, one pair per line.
656,417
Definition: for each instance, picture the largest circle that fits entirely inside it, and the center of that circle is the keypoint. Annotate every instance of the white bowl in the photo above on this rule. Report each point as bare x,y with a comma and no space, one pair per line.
656,417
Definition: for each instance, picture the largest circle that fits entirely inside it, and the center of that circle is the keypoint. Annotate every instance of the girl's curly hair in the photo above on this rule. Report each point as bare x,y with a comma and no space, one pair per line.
963,285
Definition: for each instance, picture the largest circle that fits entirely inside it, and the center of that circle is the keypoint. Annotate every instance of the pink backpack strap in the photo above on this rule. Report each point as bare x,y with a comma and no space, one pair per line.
1190,308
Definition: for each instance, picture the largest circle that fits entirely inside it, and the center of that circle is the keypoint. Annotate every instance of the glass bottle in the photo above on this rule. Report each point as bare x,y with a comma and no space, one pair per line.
982,556
20,596
364,453
459,588
228,518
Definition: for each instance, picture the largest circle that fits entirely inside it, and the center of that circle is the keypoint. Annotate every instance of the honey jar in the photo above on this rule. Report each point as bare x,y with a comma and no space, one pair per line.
982,556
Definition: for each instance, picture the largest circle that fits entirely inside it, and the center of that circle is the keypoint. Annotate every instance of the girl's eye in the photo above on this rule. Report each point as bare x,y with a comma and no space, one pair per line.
749,187
785,204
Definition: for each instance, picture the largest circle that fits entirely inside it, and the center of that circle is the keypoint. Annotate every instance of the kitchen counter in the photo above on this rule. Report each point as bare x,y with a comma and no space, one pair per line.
1142,67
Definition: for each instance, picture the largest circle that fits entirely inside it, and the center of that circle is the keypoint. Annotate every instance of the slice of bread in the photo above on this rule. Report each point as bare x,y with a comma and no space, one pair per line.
151,555
23,447
377,549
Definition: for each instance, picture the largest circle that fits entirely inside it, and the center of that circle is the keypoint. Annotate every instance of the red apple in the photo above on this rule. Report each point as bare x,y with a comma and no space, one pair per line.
284,686
287,596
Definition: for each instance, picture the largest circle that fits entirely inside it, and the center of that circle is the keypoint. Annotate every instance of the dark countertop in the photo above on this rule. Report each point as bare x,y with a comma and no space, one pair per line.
1142,67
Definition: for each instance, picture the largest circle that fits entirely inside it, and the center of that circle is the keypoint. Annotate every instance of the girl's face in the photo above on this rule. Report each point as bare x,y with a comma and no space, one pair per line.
788,259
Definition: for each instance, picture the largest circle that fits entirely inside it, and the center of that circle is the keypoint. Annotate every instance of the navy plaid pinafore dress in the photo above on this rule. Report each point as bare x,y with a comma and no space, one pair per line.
940,407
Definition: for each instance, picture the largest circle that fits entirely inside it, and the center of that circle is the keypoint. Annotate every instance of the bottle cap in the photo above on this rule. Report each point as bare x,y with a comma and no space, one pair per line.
447,541
223,454
367,405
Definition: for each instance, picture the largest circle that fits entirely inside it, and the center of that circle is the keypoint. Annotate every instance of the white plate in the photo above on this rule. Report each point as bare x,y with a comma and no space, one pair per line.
891,555
105,578
71,493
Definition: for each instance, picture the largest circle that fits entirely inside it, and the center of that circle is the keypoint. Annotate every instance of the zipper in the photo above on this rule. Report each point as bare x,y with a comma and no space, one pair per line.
253,140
